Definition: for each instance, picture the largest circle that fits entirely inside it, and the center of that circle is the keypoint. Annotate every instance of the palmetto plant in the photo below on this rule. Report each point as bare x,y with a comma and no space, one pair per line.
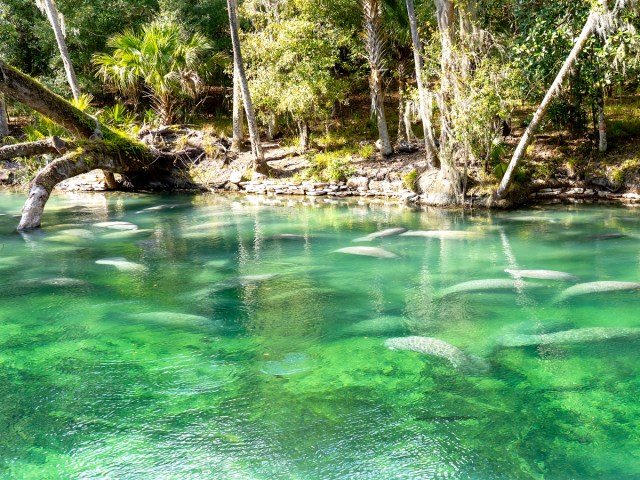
159,61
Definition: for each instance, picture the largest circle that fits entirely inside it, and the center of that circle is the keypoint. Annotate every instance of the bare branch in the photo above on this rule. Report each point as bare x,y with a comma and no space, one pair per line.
31,149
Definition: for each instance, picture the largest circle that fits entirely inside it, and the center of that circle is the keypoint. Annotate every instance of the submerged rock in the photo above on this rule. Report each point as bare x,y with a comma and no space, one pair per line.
438,348
597,287
389,232
367,252
542,275
580,335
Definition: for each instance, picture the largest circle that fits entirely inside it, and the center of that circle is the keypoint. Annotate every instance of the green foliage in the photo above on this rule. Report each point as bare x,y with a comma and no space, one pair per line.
330,167
42,128
117,116
367,150
410,180
160,60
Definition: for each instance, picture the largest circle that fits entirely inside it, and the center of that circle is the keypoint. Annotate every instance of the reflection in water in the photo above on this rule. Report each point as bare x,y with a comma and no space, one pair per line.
220,337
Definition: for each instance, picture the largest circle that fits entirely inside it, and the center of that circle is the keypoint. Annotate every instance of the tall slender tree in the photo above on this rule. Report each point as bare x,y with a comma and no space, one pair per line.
4,119
48,7
375,48
425,110
259,163
238,113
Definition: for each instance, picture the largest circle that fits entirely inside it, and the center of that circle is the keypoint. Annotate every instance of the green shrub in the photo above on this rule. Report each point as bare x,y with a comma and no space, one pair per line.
410,180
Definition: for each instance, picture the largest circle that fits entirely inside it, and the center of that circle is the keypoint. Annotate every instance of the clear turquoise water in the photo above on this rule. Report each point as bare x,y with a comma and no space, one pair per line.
194,363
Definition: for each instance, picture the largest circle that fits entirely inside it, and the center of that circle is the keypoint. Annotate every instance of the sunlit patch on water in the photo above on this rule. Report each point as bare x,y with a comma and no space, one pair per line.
195,337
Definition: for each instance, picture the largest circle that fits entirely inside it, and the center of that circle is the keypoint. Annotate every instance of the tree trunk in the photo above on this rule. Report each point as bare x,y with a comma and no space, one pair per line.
303,131
259,163
273,127
402,131
602,124
4,118
425,111
375,53
49,8
98,146
238,113
408,115
526,139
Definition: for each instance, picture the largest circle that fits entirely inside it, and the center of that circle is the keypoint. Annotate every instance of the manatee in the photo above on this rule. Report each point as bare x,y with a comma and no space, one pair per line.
596,287
367,251
377,326
606,236
64,282
122,264
290,364
242,281
438,348
222,263
117,225
285,236
542,275
579,335
486,285
173,318
71,235
442,234
389,232
208,226
127,234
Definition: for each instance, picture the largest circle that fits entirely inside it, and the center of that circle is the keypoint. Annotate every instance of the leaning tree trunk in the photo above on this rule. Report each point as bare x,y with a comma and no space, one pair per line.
425,110
374,44
4,118
96,147
526,139
49,8
259,163
238,113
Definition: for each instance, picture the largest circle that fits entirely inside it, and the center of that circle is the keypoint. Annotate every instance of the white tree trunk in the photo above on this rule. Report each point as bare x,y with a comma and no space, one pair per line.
602,125
4,118
53,15
425,111
238,113
259,164
526,139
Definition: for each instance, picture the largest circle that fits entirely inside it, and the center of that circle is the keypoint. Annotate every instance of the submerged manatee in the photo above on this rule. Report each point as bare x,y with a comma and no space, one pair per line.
486,285
285,236
542,275
122,264
389,232
367,252
580,335
438,348
173,318
596,287
377,326
290,364
117,225
243,281
442,234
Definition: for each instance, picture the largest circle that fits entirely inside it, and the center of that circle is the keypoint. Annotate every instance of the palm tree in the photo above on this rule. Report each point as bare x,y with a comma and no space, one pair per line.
375,47
259,164
48,7
159,60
